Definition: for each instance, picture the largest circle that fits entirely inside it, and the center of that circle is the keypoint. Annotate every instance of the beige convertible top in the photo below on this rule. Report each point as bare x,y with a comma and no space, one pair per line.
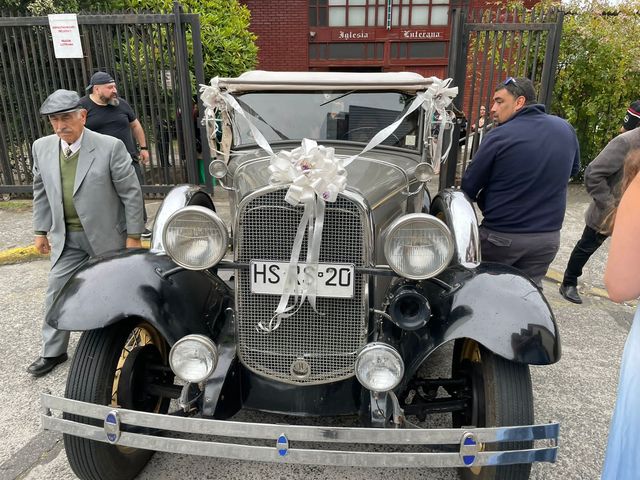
260,80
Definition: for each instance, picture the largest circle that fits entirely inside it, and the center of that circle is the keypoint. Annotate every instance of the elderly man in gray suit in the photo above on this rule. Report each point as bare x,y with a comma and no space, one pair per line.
86,201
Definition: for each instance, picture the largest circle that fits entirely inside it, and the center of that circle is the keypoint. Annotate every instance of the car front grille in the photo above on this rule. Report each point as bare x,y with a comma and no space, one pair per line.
327,344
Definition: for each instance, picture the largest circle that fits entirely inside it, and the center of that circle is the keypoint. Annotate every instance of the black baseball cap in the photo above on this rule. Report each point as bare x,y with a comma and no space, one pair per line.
99,78
632,117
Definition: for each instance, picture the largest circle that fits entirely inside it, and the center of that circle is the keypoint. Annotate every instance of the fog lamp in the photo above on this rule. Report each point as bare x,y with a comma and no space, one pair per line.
193,358
379,367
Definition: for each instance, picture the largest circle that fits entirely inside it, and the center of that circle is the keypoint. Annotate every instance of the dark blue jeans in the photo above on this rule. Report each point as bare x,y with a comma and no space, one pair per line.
586,246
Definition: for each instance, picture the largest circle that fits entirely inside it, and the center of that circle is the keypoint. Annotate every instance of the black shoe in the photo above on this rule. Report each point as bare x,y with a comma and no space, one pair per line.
44,365
146,233
570,292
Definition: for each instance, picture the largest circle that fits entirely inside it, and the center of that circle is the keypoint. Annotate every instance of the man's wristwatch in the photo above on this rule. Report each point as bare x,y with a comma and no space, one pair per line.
144,148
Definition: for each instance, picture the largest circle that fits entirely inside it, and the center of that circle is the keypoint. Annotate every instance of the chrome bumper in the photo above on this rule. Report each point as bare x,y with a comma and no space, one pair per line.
468,453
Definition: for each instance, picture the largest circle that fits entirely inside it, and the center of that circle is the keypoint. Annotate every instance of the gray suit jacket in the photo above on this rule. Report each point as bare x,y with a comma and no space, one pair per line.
106,193
603,175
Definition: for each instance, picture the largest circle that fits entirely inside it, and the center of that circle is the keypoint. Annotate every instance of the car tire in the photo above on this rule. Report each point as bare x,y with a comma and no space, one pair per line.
501,395
103,366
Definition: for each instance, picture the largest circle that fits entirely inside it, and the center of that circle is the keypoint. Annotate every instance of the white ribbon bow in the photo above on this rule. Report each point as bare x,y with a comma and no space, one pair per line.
437,98
216,99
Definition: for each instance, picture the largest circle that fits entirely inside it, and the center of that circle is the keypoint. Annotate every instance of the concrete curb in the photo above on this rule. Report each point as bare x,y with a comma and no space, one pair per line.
29,254
20,255
556,276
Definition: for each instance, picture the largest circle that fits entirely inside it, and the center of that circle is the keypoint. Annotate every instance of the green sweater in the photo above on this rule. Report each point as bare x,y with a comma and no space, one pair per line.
68,168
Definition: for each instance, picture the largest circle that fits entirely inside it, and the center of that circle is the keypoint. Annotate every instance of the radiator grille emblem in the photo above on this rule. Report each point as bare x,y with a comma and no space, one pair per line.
300,368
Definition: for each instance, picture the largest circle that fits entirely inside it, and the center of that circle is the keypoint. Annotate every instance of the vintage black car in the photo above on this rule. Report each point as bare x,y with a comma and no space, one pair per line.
309,305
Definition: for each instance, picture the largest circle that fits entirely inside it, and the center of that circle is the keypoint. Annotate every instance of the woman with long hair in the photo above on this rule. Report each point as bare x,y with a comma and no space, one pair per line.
622,279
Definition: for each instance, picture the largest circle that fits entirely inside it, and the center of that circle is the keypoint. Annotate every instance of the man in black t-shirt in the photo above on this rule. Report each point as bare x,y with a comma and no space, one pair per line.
109,114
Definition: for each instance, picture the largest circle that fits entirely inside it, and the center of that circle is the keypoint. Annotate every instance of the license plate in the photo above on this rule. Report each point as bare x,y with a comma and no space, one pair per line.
334,279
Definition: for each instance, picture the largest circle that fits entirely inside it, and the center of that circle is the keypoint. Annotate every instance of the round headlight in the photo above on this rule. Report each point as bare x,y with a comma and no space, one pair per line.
379,367
193,358
195,238
418,246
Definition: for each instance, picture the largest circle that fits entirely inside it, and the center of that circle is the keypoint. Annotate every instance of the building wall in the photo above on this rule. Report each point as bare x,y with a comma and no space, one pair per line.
283,33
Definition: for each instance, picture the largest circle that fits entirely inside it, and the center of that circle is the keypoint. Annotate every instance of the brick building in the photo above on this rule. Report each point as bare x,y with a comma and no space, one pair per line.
354,35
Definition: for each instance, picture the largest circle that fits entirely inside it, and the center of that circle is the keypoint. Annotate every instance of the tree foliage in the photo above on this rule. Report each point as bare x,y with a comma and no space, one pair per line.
598,70
229,47
45,7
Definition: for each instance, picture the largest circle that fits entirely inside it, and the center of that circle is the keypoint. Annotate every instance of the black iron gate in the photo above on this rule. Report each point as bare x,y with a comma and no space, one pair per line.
487,46
149,55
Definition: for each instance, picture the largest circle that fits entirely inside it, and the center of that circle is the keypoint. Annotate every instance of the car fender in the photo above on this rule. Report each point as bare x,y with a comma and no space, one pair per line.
135,283
455,209
493,304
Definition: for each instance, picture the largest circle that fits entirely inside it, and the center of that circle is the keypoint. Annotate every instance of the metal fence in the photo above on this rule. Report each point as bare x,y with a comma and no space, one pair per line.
487,47
149,55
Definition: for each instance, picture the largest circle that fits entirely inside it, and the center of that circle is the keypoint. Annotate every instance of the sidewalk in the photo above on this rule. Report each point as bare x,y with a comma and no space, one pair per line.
16,238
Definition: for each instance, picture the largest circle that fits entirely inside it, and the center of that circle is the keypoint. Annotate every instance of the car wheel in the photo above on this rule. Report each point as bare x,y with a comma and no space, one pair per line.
115,366
500,394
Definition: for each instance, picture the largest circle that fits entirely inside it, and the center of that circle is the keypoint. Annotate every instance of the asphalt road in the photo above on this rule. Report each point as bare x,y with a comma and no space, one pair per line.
578,391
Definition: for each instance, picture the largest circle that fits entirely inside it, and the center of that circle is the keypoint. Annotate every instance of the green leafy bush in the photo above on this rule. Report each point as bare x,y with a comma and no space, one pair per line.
598,70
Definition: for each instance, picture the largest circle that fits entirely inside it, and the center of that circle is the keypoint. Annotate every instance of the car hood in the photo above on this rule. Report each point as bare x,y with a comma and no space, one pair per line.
375,175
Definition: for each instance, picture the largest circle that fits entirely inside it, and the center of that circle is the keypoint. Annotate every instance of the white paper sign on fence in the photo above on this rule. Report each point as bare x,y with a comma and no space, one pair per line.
65,35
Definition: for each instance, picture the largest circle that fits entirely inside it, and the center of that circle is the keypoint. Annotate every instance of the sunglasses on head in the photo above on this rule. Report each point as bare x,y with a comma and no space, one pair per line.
516,88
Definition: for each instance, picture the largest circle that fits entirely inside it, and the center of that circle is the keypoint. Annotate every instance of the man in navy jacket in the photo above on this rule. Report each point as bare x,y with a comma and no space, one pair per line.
519,179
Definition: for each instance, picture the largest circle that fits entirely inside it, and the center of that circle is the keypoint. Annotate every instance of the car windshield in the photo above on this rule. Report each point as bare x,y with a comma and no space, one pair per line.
327,115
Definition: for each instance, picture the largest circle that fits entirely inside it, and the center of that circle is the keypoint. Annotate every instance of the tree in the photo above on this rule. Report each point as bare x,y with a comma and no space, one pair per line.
229,47
598,70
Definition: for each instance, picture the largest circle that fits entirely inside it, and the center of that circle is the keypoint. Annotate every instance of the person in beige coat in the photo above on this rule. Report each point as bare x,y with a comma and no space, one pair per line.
86,201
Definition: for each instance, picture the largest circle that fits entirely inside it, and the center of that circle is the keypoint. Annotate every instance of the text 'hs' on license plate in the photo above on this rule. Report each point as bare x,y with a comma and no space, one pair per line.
334,279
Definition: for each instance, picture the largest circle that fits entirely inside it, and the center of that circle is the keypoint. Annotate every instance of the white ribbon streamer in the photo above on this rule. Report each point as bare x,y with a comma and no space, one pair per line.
214,99
435,99
316,176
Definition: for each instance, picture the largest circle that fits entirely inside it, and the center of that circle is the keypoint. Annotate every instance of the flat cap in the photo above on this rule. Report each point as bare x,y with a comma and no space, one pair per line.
99,78
61,101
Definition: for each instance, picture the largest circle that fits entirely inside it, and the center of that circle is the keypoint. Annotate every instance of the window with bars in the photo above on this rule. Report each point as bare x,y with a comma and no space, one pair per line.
373,13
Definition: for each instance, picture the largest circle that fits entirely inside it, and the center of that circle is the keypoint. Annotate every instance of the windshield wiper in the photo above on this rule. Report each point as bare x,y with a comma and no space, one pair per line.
257,116
337,98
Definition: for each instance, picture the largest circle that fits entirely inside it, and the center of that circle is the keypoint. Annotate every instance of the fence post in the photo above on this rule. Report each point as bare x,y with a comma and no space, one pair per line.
186,99
456,70
551,61
199,71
